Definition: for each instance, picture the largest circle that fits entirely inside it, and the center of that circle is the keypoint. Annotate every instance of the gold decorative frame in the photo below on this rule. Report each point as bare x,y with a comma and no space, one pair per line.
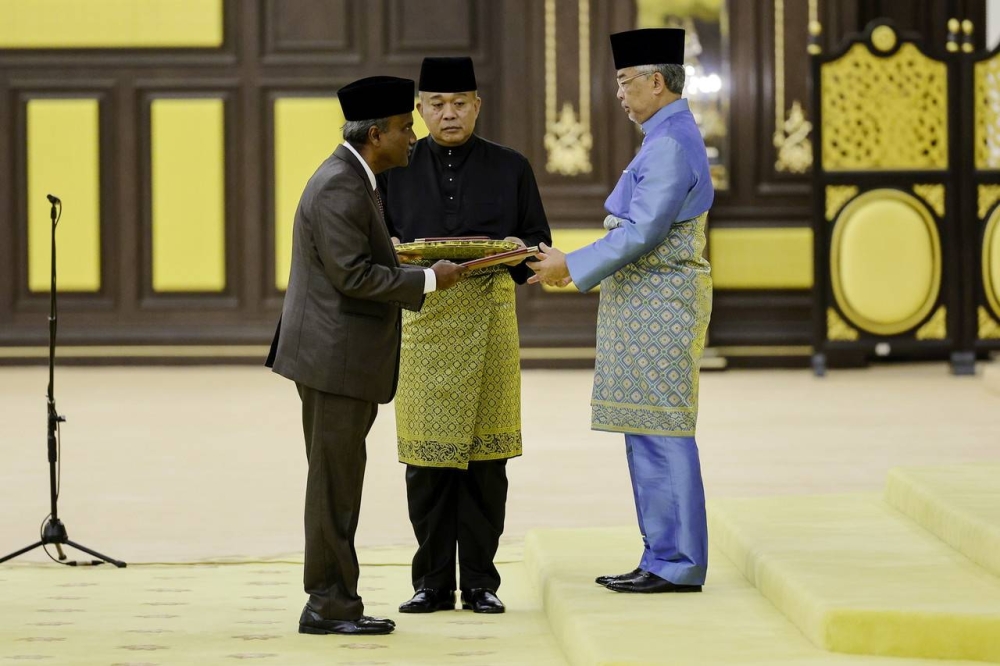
992,229
921,313
568,139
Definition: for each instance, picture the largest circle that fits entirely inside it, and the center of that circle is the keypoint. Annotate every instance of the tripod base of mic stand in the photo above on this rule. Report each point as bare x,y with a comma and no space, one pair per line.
55,533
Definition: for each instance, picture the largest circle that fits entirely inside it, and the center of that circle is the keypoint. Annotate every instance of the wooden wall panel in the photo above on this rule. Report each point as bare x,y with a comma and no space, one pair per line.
273,49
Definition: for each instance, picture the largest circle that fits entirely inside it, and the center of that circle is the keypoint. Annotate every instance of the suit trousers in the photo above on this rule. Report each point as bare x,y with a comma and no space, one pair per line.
335,428
670,506
457,508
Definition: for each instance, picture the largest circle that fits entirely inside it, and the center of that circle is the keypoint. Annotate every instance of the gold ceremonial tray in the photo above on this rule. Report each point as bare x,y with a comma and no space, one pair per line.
452,249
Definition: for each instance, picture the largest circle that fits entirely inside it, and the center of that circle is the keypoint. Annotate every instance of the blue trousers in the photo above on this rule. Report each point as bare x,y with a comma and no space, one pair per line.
670,505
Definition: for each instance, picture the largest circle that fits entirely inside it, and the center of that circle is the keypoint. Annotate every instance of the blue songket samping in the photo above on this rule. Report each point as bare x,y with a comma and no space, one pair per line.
655,304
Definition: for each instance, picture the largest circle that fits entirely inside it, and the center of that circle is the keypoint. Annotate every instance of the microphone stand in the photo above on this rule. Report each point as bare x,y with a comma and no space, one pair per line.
54,532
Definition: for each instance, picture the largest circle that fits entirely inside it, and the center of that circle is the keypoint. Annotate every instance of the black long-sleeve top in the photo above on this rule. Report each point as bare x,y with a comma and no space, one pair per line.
477,189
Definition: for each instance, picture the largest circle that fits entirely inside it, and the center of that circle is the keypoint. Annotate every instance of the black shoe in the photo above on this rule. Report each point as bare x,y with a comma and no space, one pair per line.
648,583
312,622
428,601
481,600
604,580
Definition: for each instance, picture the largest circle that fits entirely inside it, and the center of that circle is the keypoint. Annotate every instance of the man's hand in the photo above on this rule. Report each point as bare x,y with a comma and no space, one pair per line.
520,245
395,241
447,273
550,267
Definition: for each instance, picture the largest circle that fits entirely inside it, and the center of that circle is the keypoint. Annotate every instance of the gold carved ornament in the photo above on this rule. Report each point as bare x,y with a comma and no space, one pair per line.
988,196
987,120
989,328
884,113
791,134
933,196
568,139
836,197
936,327
837,328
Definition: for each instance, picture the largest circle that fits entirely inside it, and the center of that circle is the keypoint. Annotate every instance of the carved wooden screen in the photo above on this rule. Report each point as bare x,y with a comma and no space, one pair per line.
887,247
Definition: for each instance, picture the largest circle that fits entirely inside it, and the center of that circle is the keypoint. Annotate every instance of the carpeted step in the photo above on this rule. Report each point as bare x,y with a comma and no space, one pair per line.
958,503
857,576
729,623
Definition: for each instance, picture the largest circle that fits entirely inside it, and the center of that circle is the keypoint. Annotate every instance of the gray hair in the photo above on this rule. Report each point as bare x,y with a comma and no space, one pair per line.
673,75
356,131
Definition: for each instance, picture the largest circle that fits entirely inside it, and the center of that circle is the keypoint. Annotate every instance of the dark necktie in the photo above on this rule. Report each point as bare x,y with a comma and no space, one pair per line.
378,200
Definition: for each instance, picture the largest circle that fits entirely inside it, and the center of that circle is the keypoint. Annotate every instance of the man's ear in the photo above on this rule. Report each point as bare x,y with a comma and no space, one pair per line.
374,136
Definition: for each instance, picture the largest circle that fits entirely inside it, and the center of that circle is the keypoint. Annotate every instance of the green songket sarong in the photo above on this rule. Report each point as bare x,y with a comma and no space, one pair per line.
459,393
651,326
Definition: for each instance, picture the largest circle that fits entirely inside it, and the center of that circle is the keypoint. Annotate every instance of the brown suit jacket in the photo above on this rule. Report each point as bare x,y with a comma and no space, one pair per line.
339,330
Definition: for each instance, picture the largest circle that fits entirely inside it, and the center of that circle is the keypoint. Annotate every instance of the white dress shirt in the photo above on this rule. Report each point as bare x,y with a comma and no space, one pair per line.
430,279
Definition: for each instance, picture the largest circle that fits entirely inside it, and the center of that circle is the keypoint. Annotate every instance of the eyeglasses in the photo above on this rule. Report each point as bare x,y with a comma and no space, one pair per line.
622,82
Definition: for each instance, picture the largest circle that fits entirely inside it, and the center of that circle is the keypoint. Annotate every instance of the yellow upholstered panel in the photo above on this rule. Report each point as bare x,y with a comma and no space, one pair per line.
773,258
568,240
189,193
885,262
66,24
991,262
64,160
306,131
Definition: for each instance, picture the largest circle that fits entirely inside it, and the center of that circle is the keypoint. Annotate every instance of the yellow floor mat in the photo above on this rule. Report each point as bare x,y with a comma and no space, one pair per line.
246,613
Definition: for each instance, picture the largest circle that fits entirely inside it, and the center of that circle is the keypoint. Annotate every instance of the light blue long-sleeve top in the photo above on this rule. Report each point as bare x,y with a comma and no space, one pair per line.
667,181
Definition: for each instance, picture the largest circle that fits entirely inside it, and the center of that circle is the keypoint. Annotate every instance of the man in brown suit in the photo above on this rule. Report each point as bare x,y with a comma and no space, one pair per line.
339,333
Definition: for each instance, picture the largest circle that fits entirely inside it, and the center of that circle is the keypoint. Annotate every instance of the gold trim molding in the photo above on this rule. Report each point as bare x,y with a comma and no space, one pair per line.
837,328
791,134
988,195
568,139
933,196
936,327
986,261
836,197
989,328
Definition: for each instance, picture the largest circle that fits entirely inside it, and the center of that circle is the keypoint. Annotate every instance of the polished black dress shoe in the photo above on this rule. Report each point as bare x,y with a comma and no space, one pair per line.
429,601
481,600
604,580
648,583
312,622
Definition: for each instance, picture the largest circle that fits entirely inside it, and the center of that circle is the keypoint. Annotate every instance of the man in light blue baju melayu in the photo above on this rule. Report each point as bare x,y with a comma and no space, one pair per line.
656,300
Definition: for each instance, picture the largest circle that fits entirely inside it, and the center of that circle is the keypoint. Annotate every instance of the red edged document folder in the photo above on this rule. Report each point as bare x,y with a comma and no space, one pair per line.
503,257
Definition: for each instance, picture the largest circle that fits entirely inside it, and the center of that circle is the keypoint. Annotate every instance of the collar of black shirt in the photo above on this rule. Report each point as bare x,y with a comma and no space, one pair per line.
458,153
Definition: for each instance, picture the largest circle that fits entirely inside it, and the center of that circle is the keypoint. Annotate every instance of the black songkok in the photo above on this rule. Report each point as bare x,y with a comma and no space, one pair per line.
447,75
648,46
376,97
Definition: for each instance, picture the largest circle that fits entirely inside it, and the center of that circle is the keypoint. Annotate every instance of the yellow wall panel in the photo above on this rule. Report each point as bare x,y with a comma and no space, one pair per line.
64,160
762,258
306,132
63,24
189,190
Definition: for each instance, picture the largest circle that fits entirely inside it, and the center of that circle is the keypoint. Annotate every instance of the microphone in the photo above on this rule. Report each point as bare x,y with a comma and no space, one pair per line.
53,199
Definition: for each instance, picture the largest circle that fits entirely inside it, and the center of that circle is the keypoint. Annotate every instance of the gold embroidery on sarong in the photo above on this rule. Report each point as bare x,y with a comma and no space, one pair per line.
459,393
